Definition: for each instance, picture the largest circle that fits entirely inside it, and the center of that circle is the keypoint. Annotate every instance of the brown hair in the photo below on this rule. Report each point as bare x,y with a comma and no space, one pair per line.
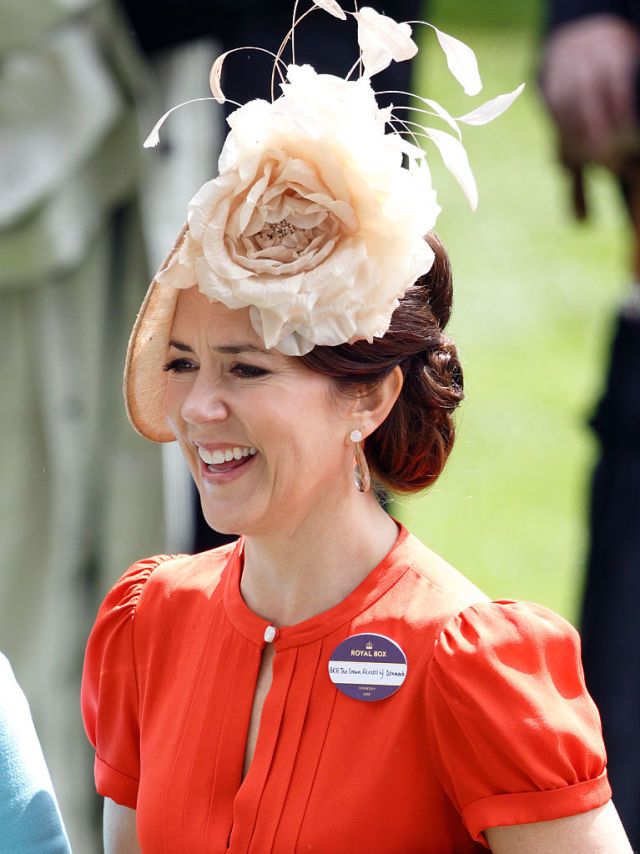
408,450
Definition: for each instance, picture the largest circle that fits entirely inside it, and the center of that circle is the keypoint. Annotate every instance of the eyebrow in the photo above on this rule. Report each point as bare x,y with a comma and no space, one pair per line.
233,349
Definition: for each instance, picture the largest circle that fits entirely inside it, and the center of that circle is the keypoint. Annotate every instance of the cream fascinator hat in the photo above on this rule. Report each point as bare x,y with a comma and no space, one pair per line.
313,222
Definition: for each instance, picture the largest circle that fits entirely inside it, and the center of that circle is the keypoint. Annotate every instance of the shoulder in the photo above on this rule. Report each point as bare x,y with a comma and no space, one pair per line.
518,652
150,596
146,599
156,579
431,591
143,616
440,575
467,629
520,636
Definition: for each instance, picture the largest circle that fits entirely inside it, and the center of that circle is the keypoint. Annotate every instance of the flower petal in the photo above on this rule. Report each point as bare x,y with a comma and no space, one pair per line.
332,7
491,109
382,40
455,159
462,62
312,222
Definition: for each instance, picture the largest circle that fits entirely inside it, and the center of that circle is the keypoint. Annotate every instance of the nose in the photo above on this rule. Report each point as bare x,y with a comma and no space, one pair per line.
204,403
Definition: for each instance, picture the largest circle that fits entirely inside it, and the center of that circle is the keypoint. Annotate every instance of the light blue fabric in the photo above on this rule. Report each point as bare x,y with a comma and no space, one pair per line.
30,821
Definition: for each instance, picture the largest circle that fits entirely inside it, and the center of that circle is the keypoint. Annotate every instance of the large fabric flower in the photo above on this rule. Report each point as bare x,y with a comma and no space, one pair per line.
312,222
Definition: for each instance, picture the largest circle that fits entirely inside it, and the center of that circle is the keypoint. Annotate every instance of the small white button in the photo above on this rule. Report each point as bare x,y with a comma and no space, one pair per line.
270,633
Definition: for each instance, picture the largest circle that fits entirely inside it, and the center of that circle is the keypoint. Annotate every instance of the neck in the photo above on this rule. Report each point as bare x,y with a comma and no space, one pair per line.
295,573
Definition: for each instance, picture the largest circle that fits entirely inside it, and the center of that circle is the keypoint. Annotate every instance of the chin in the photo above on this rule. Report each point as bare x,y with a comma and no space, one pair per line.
232,519
223,523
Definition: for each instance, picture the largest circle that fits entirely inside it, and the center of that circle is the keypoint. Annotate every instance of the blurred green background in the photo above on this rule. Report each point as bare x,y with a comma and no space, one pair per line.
535,294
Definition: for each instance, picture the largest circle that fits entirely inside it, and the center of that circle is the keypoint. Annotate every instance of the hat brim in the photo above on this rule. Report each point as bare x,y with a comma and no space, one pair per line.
145,381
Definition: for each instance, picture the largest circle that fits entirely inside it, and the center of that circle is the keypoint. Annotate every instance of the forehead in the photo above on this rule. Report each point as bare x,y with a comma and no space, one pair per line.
196,315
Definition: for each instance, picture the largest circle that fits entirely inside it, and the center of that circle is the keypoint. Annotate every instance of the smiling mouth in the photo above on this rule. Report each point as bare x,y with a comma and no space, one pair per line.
222,462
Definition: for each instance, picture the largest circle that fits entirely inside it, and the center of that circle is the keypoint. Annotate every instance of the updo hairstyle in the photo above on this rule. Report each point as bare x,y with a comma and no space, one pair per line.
408,450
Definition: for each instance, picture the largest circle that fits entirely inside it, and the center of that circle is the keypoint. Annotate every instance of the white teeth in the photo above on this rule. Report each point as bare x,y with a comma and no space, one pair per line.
214,458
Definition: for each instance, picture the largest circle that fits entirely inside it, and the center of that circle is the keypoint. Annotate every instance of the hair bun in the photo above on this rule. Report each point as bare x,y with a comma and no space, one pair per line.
409,449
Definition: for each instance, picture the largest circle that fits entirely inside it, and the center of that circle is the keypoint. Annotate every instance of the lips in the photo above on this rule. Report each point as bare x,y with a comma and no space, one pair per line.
224,463
231,465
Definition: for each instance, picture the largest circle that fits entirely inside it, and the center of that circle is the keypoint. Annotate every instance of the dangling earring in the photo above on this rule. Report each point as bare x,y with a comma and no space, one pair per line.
361,471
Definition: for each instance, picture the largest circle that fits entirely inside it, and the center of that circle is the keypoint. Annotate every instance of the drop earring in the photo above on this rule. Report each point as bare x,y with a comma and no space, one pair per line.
361,470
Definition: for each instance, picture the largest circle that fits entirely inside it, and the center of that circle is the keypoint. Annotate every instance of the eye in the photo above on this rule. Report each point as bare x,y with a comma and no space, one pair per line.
247,372
179,366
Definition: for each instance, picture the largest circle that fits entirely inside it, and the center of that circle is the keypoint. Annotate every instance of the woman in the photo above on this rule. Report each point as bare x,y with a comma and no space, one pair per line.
30,821
327,683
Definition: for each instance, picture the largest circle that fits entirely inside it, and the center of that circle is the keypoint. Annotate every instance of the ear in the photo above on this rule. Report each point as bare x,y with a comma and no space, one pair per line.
371,408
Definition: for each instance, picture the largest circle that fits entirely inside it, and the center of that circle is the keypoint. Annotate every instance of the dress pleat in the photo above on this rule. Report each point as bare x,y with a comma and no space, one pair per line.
294,719
249,797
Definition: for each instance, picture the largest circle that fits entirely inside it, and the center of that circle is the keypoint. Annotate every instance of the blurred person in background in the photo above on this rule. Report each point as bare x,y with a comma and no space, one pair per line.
79,494
589,78
30,820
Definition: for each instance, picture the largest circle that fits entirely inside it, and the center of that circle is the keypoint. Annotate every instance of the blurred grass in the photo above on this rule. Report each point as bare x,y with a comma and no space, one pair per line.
496,14
535,297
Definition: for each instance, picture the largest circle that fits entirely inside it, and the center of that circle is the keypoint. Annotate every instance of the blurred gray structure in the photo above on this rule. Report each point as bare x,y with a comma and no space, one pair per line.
80,494
185,159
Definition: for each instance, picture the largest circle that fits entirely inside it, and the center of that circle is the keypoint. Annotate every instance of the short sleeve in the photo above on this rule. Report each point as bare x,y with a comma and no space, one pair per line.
514,735
109,694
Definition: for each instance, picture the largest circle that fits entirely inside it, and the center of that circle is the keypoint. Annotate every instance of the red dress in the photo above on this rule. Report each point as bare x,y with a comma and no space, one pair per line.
492,726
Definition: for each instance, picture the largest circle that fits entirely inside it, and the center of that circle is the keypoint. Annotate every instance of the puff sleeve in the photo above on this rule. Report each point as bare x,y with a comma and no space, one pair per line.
514,735
109,695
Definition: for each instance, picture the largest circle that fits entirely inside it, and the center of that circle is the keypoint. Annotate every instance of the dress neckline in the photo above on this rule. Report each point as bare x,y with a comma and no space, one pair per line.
381,578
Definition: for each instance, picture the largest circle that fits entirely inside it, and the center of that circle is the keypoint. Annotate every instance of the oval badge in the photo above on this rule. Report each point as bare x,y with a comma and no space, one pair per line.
368,667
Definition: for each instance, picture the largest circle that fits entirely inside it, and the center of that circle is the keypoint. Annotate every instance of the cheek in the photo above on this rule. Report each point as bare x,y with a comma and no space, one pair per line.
312,438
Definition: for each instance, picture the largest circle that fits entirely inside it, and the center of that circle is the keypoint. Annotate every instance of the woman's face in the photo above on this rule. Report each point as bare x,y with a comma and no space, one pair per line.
264,436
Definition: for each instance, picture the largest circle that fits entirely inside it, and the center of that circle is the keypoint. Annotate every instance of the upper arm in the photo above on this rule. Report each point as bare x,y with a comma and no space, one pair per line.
598,831
119,829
